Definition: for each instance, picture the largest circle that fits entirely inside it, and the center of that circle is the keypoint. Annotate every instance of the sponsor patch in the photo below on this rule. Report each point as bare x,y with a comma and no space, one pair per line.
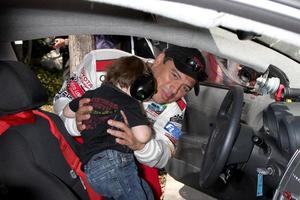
62,93
173,132
74,89
101,65
177,119
100,76
181,104
157,108
151,116
84,79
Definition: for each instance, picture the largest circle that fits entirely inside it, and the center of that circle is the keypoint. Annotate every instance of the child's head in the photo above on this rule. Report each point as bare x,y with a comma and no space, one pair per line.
125,70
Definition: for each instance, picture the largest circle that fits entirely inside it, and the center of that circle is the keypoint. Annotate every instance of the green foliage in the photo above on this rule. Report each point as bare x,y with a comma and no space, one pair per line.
51,79
39,48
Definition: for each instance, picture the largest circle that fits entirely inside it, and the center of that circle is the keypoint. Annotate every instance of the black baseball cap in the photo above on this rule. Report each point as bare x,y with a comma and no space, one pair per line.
189,61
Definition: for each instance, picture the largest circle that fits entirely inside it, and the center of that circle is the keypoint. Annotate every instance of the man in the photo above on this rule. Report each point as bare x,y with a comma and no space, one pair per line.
177,70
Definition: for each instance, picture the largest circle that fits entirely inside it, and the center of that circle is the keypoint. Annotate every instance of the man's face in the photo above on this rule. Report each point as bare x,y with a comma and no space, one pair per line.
171,83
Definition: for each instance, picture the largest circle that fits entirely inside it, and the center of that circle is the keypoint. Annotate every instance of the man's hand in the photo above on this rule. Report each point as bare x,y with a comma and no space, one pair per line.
83,113
124,134
59,42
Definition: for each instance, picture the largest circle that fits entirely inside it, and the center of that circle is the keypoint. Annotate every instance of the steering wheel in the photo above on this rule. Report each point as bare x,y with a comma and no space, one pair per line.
222,137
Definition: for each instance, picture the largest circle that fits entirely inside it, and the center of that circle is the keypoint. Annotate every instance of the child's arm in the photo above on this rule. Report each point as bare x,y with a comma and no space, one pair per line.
142,133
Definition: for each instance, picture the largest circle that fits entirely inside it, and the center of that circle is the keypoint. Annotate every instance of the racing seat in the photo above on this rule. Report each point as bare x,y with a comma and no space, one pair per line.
32,165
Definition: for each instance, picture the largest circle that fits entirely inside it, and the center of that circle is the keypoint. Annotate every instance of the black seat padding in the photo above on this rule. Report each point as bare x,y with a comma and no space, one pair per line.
32,165
20,89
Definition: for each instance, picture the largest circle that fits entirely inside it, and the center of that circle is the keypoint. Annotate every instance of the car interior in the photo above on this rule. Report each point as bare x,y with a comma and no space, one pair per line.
240,132
32,163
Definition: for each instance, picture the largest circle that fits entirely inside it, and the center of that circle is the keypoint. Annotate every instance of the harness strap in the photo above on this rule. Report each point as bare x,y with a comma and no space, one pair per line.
29,117
69,155
25,117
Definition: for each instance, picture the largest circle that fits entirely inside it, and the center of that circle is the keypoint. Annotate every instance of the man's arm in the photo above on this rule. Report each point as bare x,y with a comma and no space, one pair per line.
81,80
73,124
167,126
155,153
158,151
61,99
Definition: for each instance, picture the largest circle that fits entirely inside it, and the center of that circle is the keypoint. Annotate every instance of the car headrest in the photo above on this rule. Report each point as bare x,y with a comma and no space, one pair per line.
20,89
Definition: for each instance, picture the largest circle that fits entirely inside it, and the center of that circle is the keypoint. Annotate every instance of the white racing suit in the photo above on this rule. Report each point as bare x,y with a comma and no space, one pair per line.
166,119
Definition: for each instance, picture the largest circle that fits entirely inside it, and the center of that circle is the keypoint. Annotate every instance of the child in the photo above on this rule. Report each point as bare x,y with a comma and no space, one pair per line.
109,166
